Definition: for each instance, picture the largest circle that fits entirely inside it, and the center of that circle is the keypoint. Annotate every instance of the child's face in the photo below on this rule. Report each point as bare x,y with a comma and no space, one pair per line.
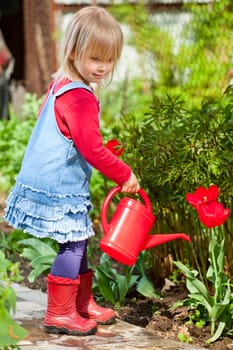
93,69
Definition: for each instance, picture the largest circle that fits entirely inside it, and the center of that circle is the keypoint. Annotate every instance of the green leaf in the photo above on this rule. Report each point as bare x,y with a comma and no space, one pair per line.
200,299
132,281
10,332
146,288
218,332
29,253
199,287
193,284
217,310
39,246
106,285
37,272
10,297
223,307
40,254
123,287
41,260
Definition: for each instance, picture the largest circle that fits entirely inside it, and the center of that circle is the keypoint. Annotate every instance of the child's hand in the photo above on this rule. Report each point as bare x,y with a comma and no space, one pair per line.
132,185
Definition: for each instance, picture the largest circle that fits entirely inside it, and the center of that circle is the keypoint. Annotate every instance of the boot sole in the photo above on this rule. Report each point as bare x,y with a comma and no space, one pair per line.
55,330
109,321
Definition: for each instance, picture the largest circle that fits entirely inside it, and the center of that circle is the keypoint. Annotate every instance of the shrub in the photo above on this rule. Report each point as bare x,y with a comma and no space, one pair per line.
173,150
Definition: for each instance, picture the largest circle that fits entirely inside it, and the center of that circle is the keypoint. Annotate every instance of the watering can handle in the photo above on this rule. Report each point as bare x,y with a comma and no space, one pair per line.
108,199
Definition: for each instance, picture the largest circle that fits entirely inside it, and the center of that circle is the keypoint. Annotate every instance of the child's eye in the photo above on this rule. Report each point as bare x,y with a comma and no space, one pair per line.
94,58
98,59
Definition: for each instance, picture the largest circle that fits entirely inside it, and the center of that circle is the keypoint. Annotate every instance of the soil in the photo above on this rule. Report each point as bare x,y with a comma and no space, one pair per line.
156,315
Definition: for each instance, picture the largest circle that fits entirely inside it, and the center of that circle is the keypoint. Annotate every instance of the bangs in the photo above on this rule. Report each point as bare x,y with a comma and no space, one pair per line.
105,45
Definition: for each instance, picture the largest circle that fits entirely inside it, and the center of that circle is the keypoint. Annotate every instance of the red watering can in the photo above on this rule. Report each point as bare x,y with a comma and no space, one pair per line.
127,234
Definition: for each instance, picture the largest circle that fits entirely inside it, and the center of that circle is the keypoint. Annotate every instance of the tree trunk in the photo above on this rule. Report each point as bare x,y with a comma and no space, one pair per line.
40,58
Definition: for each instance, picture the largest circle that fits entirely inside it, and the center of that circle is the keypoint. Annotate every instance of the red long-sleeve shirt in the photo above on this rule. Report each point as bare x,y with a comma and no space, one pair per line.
77,116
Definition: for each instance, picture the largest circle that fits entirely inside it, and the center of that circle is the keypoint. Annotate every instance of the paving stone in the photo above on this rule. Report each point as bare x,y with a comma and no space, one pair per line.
31,306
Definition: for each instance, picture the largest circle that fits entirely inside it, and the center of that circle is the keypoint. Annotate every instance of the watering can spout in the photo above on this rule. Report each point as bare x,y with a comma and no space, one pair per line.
157,239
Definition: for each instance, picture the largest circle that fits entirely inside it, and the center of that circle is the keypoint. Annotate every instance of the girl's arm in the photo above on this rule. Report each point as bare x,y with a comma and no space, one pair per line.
80,122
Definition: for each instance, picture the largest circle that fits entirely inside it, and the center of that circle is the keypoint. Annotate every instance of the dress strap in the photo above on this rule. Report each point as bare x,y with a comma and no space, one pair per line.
70,86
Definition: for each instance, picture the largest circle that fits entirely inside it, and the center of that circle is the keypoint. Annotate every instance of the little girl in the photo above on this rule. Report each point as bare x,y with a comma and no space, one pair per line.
51,197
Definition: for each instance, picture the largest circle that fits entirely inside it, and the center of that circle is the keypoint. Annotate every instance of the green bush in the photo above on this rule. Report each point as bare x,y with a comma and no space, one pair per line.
14,135
174,149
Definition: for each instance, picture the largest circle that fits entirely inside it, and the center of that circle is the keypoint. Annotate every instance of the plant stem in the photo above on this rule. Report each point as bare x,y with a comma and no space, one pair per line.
196,261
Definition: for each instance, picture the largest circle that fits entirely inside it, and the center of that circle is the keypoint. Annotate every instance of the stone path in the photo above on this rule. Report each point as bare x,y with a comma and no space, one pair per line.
30,309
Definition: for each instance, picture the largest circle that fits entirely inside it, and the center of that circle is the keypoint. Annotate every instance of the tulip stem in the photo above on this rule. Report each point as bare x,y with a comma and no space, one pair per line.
197,263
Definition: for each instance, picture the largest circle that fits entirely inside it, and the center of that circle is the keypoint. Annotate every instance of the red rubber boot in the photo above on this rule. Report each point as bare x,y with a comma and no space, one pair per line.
86,305
62,315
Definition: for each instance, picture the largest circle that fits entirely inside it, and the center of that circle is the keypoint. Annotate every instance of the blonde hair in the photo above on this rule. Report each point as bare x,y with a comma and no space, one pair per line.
91,30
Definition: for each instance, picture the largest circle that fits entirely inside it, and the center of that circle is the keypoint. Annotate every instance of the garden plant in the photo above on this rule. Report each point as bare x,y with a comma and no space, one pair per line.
211,301
10,332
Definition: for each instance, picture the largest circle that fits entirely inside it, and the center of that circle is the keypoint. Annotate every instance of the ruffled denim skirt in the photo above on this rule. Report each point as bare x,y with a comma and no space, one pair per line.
60,217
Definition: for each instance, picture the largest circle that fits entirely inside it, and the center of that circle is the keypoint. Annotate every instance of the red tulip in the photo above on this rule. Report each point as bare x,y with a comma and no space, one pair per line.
203,196
115,147
212,214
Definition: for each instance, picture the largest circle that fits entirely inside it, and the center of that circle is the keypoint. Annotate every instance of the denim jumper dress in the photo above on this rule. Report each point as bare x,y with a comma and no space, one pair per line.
51,196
